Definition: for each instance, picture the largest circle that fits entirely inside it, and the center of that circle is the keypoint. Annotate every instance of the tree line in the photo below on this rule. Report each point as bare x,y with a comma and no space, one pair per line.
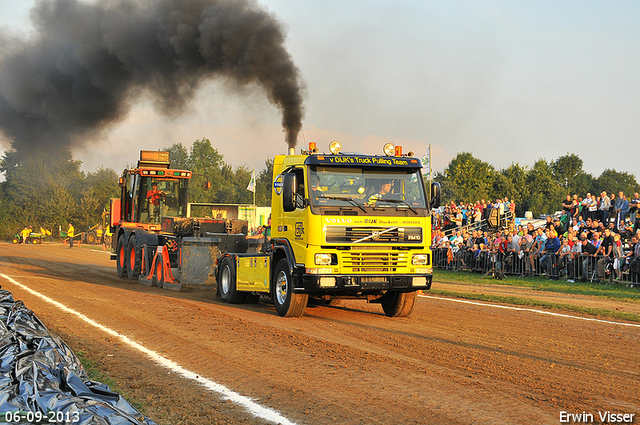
51,190
540,188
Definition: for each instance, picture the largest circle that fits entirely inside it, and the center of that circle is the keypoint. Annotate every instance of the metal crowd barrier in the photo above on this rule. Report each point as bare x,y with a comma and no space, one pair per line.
570,267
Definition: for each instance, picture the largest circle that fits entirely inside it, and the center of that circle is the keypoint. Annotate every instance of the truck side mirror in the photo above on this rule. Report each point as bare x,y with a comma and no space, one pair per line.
289,185
435,195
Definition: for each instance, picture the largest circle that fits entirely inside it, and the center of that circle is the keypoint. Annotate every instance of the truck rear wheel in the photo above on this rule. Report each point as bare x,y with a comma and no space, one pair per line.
121,257
134,256
158,274
287,303
398,304
227,283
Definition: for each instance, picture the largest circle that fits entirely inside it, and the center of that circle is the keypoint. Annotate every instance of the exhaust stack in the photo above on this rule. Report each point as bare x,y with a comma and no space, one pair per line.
292,151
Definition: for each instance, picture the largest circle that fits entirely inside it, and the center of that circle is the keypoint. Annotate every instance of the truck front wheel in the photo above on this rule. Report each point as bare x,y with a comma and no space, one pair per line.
121,257
287,303
227,283
398,304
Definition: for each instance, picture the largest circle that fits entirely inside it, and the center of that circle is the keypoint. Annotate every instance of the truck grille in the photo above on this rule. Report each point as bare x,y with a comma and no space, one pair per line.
345,234
374,262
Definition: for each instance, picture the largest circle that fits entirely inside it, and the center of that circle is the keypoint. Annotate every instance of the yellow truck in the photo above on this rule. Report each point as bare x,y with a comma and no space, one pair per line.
343,226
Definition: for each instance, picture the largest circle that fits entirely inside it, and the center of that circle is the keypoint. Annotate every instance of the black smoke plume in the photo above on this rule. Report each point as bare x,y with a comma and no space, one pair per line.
88,63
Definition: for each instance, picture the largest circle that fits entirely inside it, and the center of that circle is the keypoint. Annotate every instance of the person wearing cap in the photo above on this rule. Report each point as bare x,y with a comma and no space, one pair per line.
154,196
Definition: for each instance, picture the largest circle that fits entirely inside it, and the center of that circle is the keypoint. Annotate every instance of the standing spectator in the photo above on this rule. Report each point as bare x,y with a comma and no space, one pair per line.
634,266
71,235
622,209
593,208
562,257
573,269
575,209
633,209
567,205
25,233
588,253
551,246
617,254
511,254
477,216
586,204
605,205
526,243
606,249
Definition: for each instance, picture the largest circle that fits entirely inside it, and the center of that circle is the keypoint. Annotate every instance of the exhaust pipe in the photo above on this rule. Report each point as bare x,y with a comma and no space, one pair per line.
292,151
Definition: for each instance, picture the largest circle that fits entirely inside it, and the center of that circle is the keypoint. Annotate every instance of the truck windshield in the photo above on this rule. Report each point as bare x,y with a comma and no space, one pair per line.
366,187
162,197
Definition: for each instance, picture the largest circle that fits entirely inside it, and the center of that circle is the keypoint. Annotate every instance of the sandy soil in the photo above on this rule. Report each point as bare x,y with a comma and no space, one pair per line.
448,363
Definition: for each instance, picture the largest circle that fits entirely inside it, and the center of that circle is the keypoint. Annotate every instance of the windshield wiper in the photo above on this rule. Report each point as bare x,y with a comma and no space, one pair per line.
397,201
343,198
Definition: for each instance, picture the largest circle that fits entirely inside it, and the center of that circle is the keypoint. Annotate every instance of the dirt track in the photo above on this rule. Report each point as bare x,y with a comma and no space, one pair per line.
448,363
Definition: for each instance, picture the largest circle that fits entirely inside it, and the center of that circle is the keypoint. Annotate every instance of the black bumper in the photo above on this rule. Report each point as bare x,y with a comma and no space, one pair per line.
360,283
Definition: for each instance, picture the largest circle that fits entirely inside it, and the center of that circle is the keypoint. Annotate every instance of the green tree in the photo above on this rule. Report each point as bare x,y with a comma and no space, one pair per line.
512,183
614,181
264,182
469,178
178,156
205,163
545,192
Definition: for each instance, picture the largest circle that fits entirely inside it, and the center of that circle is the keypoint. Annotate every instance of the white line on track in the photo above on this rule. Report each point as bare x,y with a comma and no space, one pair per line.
531,310
254,408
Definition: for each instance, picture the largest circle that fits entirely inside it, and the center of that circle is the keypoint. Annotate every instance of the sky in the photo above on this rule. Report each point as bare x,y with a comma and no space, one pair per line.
508,81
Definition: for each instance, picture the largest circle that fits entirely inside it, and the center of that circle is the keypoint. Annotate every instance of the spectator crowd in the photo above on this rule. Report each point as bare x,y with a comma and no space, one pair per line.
595,238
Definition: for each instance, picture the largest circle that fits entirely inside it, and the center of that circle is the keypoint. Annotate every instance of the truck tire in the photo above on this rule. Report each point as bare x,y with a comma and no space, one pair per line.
134,257
398,304
158,274
287,303
91,238
121,257
15,240
227,283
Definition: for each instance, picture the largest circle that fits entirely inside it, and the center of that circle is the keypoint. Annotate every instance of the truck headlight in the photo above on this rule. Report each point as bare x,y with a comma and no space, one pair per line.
420,259
323,259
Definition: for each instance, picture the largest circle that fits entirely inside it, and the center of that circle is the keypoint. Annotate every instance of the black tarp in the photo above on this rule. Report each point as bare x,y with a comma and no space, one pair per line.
40,373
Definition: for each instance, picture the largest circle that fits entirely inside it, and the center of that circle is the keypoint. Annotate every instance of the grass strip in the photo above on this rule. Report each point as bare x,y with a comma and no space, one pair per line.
95,374
618,292
529,302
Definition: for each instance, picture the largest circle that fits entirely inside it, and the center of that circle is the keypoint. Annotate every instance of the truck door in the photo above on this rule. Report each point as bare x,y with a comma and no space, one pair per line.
295,222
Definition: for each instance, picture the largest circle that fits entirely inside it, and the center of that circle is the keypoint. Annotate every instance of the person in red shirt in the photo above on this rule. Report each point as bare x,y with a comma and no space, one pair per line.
154,196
